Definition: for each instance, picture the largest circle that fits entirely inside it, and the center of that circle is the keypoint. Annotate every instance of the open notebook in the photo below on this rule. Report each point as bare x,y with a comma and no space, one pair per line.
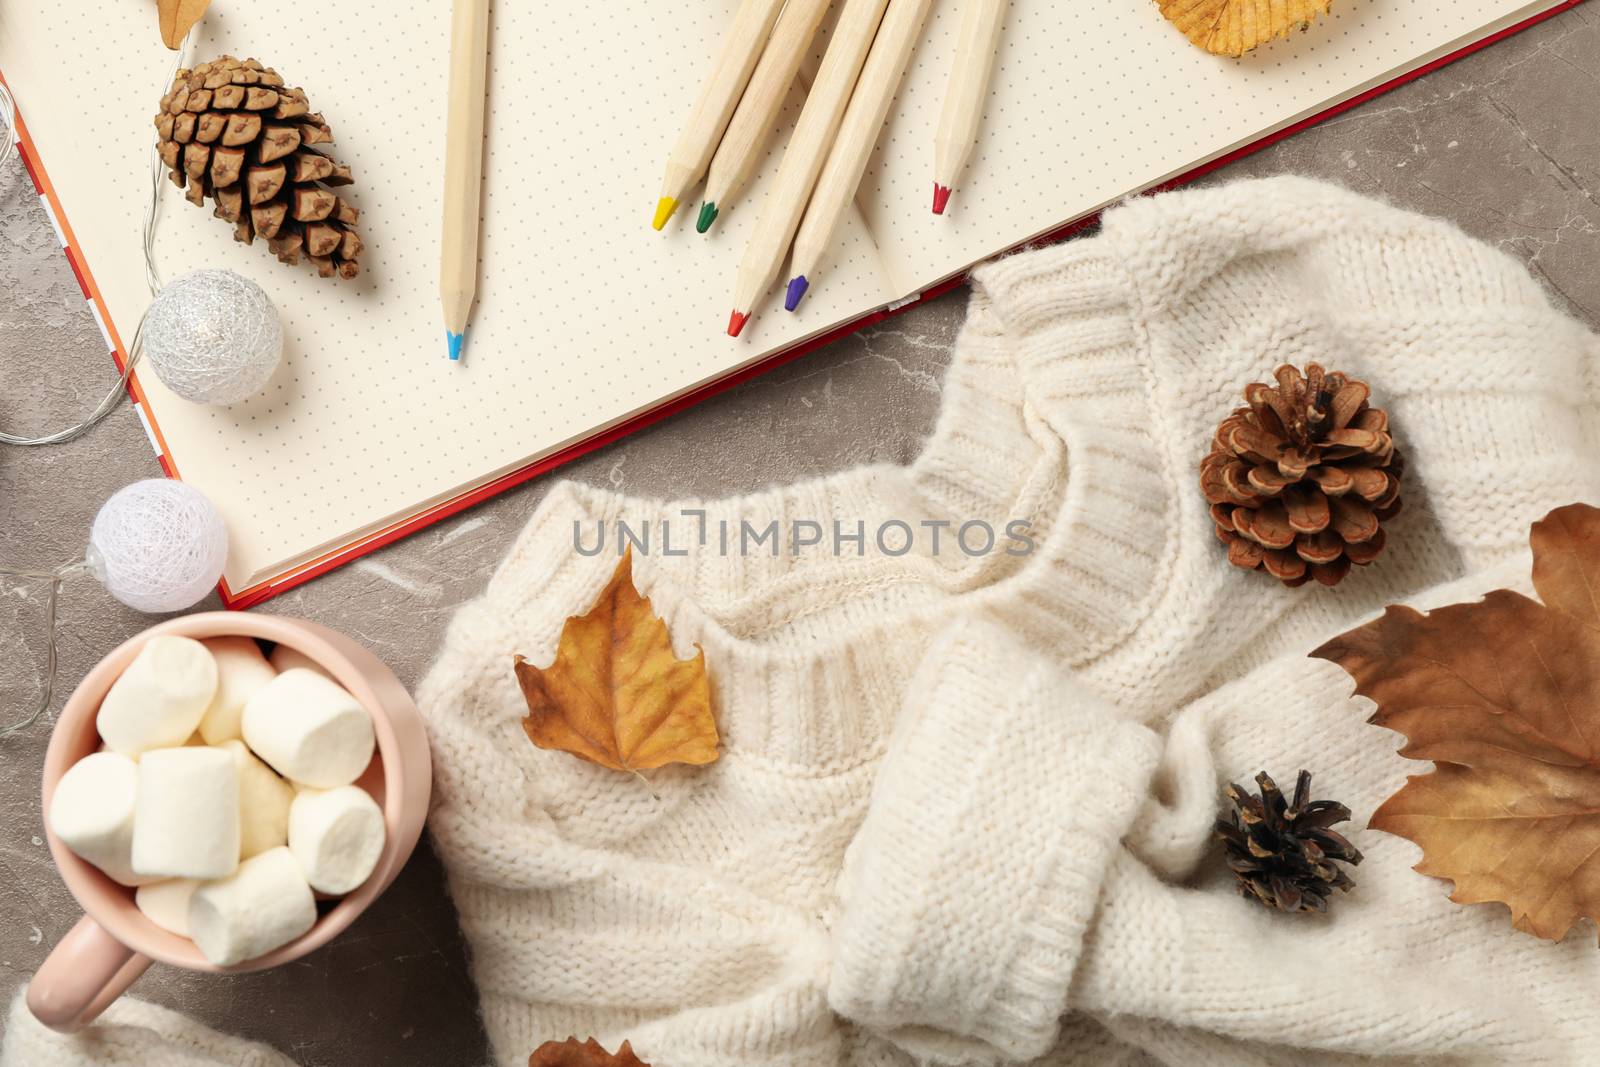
588,323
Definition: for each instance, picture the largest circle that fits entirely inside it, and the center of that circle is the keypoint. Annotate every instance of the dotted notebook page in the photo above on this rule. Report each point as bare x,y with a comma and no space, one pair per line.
1094,100
585,315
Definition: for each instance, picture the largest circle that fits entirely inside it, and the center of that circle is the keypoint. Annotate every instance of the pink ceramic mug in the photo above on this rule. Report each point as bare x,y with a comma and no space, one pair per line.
114,943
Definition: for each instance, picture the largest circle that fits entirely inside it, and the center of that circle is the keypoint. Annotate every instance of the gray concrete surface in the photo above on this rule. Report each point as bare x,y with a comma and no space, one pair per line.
1506,143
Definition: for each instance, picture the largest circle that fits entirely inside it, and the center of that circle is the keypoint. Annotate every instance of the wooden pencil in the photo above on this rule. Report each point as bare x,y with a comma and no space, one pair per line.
746,138
463,167
976,44
712,109
858,133
803,159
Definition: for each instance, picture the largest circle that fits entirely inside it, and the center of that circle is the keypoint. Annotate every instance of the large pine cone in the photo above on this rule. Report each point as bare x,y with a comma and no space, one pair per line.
231,130
1282,851
1301,480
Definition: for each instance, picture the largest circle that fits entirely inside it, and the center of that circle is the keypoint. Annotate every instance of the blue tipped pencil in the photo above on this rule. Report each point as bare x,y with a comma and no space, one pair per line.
463,168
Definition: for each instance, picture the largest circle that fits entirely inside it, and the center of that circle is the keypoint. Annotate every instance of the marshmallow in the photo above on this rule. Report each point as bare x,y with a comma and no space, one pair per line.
91,812
241,670
186,819
337,835
167,903
159,699
284,658
263,803
309,729
263,905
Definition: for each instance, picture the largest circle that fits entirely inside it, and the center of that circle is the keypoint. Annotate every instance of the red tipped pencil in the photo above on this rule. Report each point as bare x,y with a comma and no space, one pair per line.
977,41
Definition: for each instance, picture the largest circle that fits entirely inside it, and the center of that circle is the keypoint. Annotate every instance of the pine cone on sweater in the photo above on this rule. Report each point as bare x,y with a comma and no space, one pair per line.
231,130
1283,852
1301,479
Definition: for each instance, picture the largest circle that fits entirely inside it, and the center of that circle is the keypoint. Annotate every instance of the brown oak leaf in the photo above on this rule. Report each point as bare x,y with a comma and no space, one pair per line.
616,694
1504,697
177,16
1234,27
569,1053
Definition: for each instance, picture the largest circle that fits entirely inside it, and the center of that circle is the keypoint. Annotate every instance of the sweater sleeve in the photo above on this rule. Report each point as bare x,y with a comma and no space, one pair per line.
969,888
1030,853
131,1033
1176,963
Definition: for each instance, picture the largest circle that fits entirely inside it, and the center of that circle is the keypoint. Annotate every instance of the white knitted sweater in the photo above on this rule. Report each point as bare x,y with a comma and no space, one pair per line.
963,811
963,797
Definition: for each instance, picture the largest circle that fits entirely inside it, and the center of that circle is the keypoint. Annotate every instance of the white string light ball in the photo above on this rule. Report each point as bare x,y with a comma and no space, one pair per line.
158,546
213,337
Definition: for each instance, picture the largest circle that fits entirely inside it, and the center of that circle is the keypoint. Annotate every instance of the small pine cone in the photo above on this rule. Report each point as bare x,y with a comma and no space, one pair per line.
1283,852
1301,479
231,130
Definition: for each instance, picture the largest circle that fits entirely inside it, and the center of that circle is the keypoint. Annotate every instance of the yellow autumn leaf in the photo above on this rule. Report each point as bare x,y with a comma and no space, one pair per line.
177,16
616,694
1234,27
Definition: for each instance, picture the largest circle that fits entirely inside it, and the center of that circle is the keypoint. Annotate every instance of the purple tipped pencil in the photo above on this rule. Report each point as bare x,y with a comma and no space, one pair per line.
796,293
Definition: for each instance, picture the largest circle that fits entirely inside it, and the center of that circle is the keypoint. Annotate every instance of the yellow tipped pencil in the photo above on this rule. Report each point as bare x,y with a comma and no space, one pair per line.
858,133
712,110
976,42
803,159
742,146
463,168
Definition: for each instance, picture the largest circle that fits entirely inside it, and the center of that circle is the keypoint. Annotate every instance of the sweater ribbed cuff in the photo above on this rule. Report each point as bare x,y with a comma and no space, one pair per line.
969,888
131,1033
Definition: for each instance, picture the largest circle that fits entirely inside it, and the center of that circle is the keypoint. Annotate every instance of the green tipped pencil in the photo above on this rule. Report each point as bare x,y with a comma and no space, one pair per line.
744,145
714,107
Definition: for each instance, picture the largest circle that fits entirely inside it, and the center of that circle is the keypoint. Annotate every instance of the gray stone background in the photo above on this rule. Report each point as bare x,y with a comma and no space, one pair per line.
1506,143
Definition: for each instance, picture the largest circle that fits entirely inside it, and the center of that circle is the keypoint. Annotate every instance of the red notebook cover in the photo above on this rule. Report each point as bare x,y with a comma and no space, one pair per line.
245,598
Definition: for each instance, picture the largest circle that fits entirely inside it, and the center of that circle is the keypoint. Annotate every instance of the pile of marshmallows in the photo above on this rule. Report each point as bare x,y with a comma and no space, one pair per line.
186,803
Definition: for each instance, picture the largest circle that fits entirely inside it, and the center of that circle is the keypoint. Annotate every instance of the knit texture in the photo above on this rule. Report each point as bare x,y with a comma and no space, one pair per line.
969,829
131,1033
965,800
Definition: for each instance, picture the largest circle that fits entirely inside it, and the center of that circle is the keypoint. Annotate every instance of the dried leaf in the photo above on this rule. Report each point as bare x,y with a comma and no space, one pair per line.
1234,27
589,1054
177,16
616,694
1504,697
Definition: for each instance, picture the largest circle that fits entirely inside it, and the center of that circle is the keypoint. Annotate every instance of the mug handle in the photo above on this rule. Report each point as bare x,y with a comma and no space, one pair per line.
82,976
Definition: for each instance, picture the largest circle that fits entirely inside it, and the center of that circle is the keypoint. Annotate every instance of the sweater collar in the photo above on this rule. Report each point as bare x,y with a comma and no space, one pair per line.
1047,432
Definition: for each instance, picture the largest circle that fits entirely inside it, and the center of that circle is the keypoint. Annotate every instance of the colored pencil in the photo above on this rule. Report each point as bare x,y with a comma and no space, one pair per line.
858,133
976,44
803,159
746,139
720,94
463,168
